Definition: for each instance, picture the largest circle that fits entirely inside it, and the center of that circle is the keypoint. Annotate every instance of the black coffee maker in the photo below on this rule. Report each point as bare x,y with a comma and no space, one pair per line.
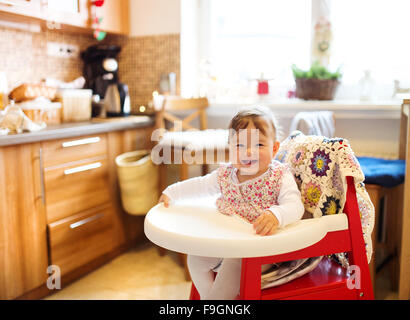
101,75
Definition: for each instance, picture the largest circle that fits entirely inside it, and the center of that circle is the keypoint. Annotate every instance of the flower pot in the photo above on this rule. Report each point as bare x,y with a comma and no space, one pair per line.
316,89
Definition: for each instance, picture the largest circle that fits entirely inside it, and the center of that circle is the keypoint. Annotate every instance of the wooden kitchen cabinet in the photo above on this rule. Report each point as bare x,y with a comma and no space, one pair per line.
69,12
57,152
55,209
70,193
23,238
81,238
80,218
115,14
87,197
75,13
75,175
24,8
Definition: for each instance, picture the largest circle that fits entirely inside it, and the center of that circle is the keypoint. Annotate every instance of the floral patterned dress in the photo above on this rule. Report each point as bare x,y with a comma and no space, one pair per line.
250,198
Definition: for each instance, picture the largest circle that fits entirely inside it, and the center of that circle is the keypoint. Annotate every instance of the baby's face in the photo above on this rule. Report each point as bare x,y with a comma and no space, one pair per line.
251,151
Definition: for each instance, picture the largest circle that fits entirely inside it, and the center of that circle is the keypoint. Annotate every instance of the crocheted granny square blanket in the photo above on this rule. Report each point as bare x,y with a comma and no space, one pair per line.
320,166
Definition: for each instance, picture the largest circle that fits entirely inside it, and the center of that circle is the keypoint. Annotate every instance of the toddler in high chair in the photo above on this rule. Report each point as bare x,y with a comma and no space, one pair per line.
252,185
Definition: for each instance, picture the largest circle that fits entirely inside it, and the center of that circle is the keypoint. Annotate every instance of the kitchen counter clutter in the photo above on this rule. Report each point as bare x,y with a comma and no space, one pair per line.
74,129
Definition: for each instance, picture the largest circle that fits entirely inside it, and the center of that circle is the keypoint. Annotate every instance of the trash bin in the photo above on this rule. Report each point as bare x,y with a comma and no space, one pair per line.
138,180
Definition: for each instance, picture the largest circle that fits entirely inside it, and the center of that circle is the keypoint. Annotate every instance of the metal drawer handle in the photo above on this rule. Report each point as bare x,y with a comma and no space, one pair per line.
40,156
80,142
86,220
83,168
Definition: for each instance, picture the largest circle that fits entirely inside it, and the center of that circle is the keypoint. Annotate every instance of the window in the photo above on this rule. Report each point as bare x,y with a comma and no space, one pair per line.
234,41
373,35
248,38
241,39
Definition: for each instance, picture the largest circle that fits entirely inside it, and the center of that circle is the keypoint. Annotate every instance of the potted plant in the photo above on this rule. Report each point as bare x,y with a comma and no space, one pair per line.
317,83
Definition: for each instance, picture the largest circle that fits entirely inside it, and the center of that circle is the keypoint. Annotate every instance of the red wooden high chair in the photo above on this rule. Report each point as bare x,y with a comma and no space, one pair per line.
328,280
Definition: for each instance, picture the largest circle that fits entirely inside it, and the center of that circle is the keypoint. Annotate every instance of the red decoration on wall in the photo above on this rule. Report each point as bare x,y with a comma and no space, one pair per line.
96,21
98,3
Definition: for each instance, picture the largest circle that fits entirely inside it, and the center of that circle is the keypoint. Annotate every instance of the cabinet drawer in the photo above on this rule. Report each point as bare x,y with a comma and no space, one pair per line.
76,187
58,152
81,238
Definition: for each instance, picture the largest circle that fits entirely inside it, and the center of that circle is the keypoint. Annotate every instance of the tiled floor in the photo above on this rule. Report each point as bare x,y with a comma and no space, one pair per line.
383,290
141,274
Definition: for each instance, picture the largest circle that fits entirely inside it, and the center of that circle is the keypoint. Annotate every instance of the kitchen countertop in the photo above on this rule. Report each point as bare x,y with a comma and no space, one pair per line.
74,129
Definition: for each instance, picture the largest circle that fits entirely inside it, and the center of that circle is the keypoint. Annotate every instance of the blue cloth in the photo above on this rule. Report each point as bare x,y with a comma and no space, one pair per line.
386,173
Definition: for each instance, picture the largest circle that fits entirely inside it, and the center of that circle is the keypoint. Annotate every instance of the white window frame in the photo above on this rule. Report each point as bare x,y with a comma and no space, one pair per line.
194,43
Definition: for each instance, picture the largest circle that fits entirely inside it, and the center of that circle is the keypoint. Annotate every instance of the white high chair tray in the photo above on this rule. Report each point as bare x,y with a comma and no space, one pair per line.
198,228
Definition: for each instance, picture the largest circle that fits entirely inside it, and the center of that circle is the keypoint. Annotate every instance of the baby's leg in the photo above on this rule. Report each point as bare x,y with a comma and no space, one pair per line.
227,281
201,272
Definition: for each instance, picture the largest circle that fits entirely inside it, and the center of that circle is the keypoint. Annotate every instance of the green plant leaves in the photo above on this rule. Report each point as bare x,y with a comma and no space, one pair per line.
316,71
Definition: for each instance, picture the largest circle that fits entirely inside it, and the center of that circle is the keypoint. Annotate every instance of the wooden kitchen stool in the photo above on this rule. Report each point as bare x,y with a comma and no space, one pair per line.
385,182
388,206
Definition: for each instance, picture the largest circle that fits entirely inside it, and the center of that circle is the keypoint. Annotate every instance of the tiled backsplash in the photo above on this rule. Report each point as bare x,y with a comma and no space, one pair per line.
23,56
144,59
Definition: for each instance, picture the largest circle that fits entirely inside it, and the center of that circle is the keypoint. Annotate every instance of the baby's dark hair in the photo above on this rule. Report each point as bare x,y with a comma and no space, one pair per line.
260,116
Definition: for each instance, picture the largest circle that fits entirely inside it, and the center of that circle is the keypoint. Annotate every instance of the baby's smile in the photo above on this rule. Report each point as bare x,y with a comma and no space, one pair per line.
248,162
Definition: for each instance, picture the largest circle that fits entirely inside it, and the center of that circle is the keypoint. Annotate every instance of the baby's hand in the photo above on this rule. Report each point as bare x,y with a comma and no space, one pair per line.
266,224
165,199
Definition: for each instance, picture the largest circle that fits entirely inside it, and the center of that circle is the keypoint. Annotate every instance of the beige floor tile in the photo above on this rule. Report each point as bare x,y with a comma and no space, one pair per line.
137,274
89,291
178,291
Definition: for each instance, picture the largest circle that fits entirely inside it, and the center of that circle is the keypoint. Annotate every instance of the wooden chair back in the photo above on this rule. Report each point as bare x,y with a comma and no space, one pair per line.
171,103
404,246
404,118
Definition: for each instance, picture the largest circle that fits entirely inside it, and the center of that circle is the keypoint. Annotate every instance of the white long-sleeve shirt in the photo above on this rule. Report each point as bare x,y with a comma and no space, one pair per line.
288,210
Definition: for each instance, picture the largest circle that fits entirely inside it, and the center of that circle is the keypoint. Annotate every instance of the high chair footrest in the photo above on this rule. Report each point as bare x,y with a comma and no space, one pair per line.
328,277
